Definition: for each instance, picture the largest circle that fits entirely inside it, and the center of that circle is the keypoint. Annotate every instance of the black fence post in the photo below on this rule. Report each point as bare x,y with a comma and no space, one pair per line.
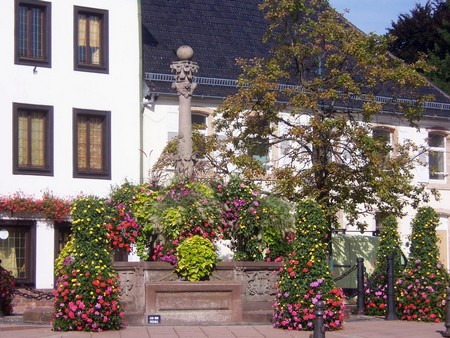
319,324
390,315
360,285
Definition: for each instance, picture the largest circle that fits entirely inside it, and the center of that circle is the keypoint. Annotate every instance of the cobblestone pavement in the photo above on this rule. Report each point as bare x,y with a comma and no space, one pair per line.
353,329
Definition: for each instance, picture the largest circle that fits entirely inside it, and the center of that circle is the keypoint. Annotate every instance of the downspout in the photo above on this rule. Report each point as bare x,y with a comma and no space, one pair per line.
141,106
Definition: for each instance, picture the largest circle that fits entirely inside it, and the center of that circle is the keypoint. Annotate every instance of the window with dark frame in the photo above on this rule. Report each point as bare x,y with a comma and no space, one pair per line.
32,139
91,40
17,249
63,232
92,144
33,33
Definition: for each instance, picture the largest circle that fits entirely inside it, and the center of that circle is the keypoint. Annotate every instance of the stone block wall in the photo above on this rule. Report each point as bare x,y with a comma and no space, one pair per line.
256,281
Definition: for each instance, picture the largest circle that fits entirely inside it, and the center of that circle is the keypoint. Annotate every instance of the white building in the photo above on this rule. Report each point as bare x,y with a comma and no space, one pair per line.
70,105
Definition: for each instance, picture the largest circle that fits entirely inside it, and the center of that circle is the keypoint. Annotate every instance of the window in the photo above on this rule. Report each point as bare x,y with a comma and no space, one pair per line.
32,33
32,139
199,121
17,246
91,40
92,144
436,156
384,136
200,130
63,231
258,146
259,149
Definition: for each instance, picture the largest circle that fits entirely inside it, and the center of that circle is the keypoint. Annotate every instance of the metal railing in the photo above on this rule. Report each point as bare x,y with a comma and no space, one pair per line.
209,81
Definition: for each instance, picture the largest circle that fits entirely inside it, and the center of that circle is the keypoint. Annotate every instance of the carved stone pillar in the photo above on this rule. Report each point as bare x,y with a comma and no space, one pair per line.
184,70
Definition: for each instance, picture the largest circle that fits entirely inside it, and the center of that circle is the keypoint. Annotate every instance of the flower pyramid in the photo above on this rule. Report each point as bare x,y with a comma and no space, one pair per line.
422,288
87,293
376,293
305,277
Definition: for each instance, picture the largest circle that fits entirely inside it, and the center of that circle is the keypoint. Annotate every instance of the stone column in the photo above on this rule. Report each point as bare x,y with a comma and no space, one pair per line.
184,70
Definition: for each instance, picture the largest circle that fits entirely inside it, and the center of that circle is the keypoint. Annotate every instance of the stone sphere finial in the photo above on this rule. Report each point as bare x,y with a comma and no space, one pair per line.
185,53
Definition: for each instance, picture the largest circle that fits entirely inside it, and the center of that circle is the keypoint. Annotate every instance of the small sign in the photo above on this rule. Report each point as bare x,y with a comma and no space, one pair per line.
153,319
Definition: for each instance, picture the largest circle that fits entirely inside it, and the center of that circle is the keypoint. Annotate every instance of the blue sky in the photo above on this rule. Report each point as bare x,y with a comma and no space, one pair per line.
374,15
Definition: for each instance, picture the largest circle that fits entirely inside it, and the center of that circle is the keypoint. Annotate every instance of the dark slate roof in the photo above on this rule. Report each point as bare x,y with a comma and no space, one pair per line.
219,32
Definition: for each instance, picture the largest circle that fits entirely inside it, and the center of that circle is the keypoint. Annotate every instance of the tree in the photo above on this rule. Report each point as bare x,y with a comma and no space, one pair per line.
414,33
425,31
313,99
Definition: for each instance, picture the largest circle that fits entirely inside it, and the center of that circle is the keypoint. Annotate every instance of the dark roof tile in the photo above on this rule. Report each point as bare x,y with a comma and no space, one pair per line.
219,32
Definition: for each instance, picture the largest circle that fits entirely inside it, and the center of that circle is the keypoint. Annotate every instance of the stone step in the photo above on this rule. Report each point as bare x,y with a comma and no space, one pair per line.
38,315
263,316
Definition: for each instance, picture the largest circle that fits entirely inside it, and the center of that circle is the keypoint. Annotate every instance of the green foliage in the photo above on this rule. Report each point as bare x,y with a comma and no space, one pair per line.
135,207
276,222
87,293
257,225
421,289
418,29
425,31
305,277
390,244
7,288
167,215
65,256
145,209
196,258
240,201
124,194
188,209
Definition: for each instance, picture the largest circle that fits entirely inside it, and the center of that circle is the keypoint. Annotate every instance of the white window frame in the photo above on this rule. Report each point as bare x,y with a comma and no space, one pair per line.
442,151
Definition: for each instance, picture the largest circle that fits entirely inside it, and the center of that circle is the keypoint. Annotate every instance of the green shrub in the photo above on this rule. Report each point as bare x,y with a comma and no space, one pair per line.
196,258
64,257
276,223
239,201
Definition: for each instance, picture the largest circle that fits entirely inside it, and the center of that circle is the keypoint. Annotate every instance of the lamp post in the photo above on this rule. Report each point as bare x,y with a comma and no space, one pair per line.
184,69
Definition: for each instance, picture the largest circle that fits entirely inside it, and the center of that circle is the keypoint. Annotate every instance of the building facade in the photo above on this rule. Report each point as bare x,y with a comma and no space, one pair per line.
69,110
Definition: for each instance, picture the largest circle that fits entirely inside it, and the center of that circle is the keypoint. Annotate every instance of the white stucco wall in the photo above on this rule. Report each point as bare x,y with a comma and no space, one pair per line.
161,119
64,89
45,254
